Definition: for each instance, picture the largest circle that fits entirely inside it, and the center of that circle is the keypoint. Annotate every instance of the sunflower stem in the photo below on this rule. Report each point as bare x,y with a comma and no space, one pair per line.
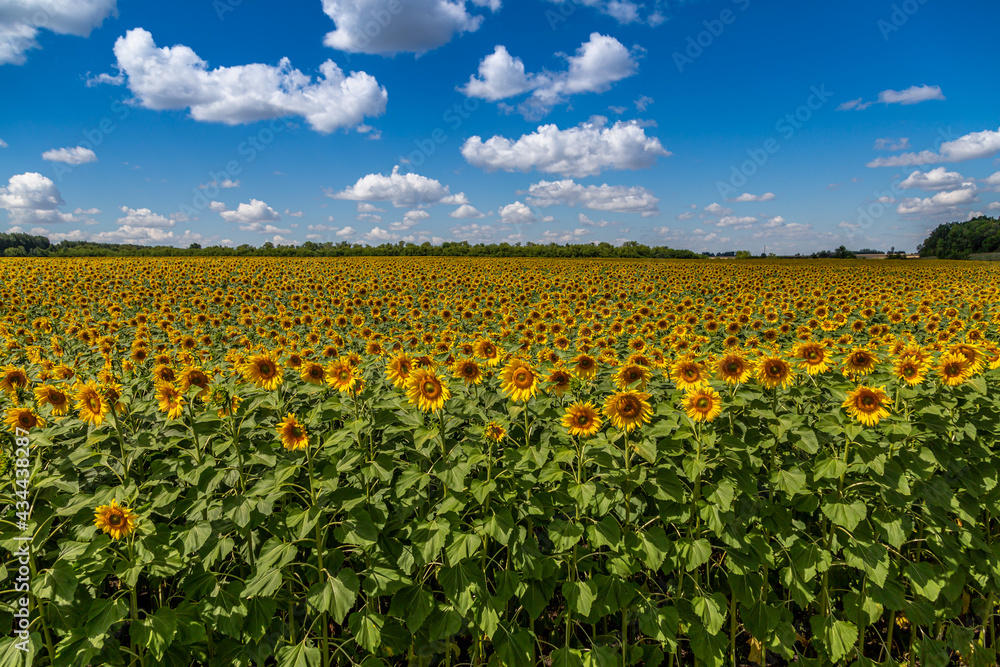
194,434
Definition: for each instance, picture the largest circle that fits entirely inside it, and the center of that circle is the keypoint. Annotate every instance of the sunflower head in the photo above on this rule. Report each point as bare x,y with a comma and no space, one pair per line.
559,381
953,369
632,376
23,419
116,520
263,370
293,434
702,404
860,362
426,390
495,432
628,410
582,419
468,371
91,403
733,369
519,380
688,374
867,405
774,372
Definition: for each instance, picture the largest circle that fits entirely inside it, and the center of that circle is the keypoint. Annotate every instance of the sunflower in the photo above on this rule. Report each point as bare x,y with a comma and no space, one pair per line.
582,419
170,399
293,434
342,375
628,410
426,390
972,353
312,373
164,373
194,377
49,395
909,370
954,369
813,356
263,370
91,404
559,380
495,432
632,376
398,369
23,418
860,362
519,380
702,404
584,365
688,374
468,371
14,378
774,372
116,520
867,405
734,369
487,351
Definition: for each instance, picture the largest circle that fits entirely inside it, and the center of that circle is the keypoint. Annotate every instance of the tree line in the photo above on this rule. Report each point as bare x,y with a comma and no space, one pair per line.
959,240
630,249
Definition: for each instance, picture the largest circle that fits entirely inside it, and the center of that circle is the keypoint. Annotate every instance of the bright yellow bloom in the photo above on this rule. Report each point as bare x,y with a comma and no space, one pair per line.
909,370
263,370
628,410
774,372
91,404
582,419
116,520
688,374
426,390
813,357
953,369
702,404
860,362
632,377
47,394
22,418
519,380
293,434
468,371
495,432
342,375
170,399
867,405
734,369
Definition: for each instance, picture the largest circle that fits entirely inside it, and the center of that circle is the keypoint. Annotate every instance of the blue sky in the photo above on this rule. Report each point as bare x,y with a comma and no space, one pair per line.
711,125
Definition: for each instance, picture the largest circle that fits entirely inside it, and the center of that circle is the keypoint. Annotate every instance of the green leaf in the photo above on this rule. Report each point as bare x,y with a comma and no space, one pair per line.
606,533
515,647
103,614
260,613
694,553
367,629
564,534
412,604
344,587
264,584
829,468
789,481
837,637
299,655
567,657
922,578
845,514
708,648
711,611
580,595
156,632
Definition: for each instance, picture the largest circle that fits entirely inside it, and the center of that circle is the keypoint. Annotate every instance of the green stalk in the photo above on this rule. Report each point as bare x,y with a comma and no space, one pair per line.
320,569
194,435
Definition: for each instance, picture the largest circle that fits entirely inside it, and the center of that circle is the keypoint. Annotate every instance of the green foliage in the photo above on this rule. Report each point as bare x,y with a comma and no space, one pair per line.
959,240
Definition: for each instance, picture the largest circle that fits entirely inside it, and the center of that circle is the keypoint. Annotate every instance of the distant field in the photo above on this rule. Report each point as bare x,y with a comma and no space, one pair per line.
986,256
403,461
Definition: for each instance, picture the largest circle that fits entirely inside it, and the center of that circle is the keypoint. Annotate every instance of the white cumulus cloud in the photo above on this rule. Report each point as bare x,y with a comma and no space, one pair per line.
585,150
596,65
403,190
516,213
972,146
75,155
33,199
466,211
936,179
617,198
946,203
413,26
143,217
254,212
176,78
746,196
21,21
912,95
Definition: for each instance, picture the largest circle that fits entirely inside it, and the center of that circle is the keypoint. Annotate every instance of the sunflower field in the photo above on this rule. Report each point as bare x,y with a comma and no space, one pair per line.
389,461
